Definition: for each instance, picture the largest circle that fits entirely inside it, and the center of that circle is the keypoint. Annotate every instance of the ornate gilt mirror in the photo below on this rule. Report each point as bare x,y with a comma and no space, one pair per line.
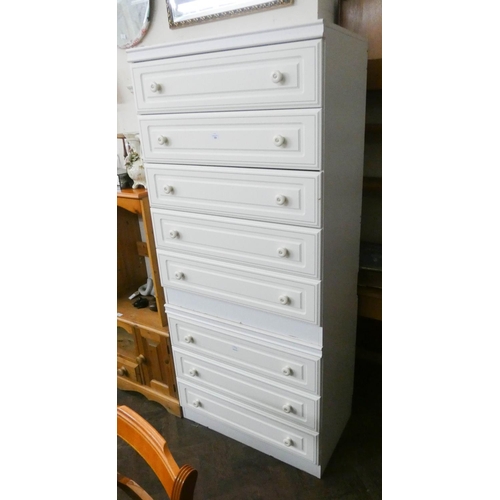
188,12
133,22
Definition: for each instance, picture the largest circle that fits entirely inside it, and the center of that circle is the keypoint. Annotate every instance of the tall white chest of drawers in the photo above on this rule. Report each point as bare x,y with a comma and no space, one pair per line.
253,146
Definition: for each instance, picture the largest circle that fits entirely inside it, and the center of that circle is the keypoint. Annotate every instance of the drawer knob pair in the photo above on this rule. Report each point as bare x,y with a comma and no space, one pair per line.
276,76
155,87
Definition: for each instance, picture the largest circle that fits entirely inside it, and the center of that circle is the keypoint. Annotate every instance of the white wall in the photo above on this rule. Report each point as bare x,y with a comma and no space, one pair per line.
302,11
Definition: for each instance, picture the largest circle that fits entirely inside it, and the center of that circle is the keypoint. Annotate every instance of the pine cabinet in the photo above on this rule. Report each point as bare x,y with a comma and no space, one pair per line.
253,149
144,357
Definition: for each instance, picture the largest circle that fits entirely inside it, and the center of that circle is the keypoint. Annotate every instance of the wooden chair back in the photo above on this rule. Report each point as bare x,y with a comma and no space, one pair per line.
179,482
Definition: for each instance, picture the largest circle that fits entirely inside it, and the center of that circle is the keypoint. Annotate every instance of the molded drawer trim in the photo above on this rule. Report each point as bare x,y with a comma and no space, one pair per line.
246,350
278,434
285,138
287,296
269,246
279,402
237,192
272,77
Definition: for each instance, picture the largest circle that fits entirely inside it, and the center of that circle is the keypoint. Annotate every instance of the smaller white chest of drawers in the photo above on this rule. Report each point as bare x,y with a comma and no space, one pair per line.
253,147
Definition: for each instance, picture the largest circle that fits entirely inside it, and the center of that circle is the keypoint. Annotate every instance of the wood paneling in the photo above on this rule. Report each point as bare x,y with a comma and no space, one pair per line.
365,18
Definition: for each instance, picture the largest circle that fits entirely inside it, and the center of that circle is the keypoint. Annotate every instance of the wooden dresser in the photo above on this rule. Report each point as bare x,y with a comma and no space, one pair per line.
253,147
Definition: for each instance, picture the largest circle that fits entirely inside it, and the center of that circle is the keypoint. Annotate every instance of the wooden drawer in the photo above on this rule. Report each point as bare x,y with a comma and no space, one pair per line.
277,401
272,77
287,138
243,351
258,194
295,298
279,248
258,426
129,369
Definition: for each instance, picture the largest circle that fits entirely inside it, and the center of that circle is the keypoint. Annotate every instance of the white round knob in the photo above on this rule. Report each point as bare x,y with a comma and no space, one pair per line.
284,299
287,442
196,403
279,140
193,372
280,199
282,252
179,276
276,76
173,233
155,87
188,339
162,139
286,370
287,408
168,189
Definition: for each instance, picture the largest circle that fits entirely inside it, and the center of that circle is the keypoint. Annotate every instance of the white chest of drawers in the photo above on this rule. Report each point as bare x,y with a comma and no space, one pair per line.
253,146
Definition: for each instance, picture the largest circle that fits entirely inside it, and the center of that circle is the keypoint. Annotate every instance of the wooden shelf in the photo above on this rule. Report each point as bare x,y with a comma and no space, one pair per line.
133,194
133,316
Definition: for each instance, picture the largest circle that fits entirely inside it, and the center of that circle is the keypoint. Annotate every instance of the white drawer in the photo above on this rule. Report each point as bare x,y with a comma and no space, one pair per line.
270,246
287,138
269,195
295,298
272,77
276,433
241,350
276,401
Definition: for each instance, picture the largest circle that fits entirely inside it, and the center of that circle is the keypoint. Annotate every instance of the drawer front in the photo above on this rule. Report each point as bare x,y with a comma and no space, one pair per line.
279,294
256,356
279,248
268,195
128,369
273,432
266,397
272,77
288,138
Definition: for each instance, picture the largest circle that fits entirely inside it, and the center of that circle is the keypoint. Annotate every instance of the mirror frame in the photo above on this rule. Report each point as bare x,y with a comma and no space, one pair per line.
143,31
214,16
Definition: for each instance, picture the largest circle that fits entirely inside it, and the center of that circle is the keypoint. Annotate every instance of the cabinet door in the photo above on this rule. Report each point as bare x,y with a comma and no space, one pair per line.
156,361
126,344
